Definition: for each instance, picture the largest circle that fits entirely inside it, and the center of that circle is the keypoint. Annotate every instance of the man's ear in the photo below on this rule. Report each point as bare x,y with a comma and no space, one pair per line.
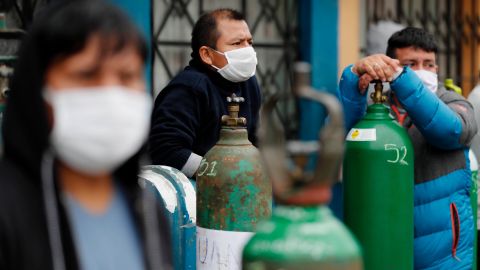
206,55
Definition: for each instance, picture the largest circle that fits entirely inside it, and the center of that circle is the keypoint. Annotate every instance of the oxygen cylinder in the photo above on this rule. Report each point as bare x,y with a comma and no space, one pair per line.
378,188
474,202
233,195
302,233
176,194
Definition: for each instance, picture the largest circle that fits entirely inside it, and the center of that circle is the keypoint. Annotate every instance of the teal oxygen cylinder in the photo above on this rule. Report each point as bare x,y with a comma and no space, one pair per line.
302,233
378,188
233,194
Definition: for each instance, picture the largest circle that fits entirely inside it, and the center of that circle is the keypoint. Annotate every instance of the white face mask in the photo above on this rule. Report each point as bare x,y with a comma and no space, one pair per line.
96,129
429,79
242,64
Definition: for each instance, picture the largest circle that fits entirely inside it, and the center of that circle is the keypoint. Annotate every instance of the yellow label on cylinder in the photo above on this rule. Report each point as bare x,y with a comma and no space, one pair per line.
362,134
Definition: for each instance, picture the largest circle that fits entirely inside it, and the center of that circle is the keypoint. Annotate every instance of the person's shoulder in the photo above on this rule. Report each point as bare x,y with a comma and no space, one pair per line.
447,95
13,180
189,81
13,190
190,77
8,171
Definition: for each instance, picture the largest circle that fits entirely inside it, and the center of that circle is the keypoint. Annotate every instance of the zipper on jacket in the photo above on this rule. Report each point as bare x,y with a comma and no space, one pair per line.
455,229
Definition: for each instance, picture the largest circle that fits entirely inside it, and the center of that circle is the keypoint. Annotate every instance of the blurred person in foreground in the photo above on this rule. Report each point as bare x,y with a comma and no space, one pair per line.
76,119
186,116
441,126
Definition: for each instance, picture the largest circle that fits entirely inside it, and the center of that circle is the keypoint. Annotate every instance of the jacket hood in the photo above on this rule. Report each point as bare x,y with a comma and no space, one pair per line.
25,127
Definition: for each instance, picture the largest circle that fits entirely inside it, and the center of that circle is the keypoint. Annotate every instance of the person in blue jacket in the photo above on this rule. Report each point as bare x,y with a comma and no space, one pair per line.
441,125
186,119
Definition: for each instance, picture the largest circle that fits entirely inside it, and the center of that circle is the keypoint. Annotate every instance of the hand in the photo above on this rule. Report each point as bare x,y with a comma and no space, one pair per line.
378,66
363,82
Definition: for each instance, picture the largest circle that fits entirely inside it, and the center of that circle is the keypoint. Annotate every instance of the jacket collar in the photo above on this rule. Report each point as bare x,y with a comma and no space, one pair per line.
226,87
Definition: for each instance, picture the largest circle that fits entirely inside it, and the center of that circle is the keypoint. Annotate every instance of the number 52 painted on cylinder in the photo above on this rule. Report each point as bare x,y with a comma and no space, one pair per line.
401,153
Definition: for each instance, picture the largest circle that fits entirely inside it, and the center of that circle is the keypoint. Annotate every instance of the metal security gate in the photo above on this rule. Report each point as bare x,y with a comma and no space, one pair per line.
454,23
20,13
272,24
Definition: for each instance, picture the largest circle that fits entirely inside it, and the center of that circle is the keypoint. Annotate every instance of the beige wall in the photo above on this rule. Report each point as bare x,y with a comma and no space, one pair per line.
470,51
349,33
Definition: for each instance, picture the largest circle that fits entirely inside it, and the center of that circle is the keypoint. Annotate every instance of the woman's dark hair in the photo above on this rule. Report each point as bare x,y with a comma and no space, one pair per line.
66,26
411,37
205,31
62,29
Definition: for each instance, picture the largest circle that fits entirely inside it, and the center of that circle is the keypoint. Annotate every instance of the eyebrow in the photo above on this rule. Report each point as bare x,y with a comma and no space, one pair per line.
236,39
418,60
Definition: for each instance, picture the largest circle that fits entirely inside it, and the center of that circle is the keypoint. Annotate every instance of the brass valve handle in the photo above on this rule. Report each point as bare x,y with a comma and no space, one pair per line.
232,119
377,96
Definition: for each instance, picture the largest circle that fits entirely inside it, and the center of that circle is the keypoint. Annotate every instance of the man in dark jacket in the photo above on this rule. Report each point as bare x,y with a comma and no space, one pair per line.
186,117
75,121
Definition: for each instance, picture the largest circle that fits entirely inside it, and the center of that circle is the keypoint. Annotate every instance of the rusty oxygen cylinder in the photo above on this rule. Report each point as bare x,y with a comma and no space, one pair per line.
302,233
233,194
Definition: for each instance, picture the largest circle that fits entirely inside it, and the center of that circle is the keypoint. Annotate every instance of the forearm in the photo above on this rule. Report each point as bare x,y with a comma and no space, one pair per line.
175,120
354,103
162,153
439,124
191,166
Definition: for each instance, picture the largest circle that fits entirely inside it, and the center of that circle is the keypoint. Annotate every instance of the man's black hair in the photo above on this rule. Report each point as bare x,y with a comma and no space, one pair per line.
205,32
411,37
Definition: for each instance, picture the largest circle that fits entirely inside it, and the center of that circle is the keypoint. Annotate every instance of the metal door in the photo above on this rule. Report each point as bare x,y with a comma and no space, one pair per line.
453,23
272,23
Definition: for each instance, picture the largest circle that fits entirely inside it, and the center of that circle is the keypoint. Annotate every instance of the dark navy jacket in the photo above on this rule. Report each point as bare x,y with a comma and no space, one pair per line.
187,112
443,127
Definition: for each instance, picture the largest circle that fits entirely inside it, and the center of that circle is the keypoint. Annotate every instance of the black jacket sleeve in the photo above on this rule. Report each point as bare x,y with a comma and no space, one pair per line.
175,120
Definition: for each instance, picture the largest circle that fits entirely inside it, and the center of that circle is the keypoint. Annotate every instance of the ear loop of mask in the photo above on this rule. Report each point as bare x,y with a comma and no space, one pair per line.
217,68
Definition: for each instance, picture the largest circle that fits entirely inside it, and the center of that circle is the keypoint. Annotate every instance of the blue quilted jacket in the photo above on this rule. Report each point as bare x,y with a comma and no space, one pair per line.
441,127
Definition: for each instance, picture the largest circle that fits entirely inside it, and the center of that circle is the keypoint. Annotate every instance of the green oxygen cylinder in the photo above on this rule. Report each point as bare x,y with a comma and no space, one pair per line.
233,194
378,188
474,202
302,233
